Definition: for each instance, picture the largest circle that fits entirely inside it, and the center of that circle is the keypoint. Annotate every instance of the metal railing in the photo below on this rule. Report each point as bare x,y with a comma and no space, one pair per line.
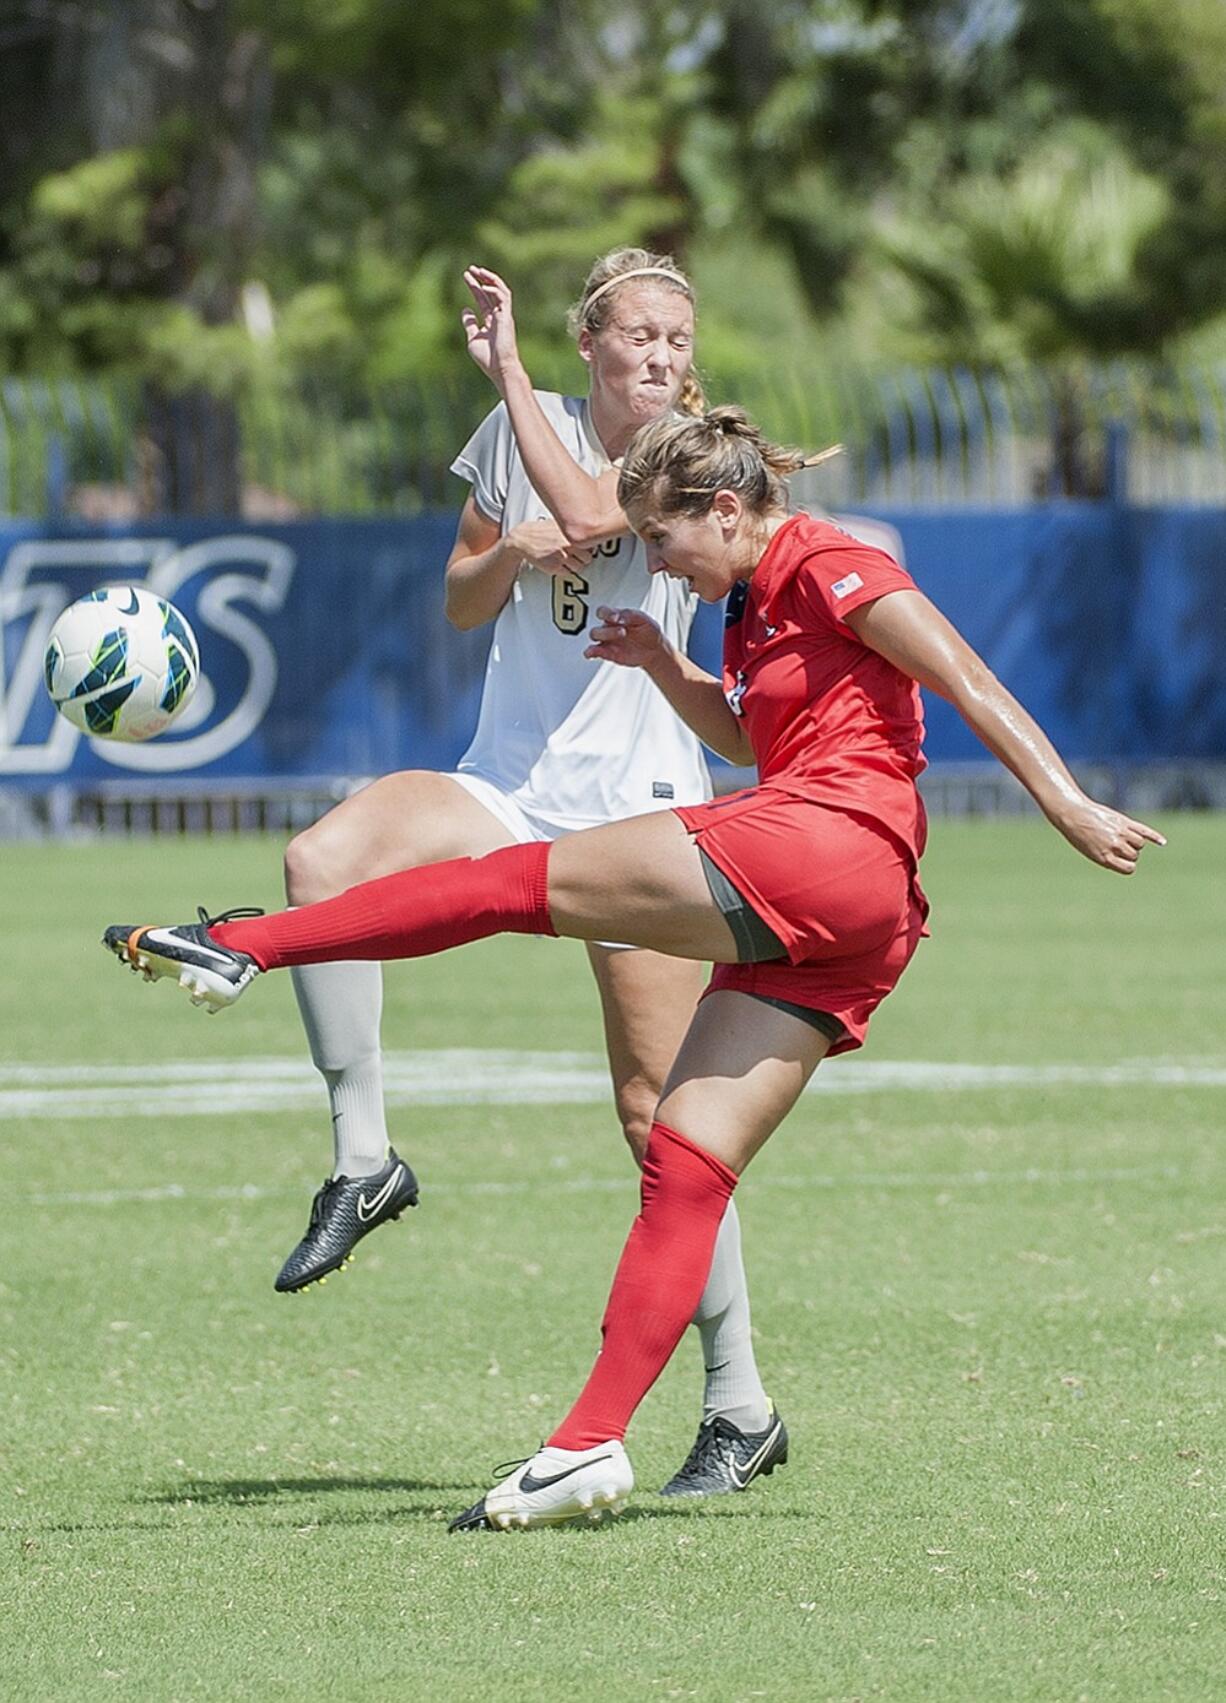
928,438
180,806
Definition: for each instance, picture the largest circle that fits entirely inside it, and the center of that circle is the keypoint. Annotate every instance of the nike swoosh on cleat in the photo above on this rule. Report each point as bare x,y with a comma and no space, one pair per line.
368,1208
742,1475
528,1483
167,937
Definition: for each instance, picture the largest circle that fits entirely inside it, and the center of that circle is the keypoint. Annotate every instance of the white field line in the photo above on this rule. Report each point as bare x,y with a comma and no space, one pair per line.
471,1077
544,1184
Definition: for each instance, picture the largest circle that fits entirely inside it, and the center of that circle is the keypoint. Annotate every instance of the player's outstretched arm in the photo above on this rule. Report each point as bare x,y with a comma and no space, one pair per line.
586,508
632,639
910,632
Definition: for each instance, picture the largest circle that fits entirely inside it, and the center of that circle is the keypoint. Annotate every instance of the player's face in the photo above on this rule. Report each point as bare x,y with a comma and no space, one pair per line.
700,549
640,359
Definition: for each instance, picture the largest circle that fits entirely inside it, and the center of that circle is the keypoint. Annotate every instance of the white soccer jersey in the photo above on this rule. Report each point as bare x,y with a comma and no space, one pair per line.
574,741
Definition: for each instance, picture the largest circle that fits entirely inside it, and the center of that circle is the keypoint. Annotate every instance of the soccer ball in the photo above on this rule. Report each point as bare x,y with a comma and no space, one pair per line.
121,663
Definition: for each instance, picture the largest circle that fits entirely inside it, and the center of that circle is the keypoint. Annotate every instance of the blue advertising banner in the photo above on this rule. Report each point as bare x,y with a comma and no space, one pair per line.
325,650
1108,623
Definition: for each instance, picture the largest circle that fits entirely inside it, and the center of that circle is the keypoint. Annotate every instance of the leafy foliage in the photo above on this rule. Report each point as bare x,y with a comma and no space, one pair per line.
240,195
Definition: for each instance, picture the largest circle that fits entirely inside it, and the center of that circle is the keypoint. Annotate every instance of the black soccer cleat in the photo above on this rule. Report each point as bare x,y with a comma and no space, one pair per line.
474,1519
725,1458
214,975
344,1210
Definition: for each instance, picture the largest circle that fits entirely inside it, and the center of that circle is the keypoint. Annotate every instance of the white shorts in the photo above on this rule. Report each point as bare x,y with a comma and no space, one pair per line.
524,826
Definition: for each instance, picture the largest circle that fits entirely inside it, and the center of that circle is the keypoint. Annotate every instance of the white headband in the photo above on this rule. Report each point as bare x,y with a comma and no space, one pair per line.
638,272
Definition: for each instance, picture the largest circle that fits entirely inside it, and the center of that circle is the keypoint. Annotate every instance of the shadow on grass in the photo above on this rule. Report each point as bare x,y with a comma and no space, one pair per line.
287,1504
259,1492
268,1494
304,1520
205,1492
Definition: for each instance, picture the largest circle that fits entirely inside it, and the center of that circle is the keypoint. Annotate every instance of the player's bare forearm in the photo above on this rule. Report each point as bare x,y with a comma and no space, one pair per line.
586,508
631,639
698,698
913,634
477,586
1013,736
1105,835
910,632
481,570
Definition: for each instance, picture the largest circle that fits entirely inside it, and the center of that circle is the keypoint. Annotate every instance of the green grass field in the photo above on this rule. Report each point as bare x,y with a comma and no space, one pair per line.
991,1307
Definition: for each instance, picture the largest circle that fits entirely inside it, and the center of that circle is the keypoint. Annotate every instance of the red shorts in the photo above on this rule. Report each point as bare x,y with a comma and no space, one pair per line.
839,890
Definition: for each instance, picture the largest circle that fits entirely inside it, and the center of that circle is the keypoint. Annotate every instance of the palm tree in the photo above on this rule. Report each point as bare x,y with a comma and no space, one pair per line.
1040,268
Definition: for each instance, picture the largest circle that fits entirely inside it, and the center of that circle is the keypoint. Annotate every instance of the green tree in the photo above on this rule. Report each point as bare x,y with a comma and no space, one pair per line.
217,197
171,152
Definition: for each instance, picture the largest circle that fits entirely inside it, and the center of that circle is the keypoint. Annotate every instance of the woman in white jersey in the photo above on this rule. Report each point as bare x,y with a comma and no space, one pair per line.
561,744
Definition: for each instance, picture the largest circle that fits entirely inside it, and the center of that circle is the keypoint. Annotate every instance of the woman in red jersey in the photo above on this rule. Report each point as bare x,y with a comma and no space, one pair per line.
803,890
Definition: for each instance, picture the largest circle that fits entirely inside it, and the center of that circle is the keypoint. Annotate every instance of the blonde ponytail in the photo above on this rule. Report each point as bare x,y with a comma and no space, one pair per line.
692,399
675,466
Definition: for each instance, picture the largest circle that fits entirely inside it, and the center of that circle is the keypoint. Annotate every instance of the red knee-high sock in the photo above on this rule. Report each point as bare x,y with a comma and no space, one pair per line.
408,915
659,1279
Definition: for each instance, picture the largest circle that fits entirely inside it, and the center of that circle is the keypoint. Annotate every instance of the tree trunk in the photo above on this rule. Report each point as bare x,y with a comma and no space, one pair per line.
176,72
188,453
1077,467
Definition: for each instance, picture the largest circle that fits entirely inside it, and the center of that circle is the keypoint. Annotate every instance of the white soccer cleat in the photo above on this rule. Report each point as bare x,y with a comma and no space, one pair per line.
554,1486
212,975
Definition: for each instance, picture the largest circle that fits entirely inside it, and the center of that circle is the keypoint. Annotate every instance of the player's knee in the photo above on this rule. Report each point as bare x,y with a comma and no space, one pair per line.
636,1108
310,872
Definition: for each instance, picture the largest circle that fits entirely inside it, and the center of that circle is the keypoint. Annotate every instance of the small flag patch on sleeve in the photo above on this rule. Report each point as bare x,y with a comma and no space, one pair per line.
842,587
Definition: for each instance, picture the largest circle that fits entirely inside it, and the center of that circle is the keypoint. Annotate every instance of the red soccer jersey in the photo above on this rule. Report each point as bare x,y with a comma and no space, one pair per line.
827,717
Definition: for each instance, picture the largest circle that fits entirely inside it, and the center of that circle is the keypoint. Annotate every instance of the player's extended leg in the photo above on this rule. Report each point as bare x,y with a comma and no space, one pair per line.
401,821
648,1002
640,881
738,1073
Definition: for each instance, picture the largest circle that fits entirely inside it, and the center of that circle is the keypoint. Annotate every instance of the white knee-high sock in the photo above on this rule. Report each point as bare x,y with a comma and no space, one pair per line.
341,1005
733,1388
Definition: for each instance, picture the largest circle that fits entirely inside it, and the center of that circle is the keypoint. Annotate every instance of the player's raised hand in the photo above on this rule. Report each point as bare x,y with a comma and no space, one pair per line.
1107,836
627,637
546,546
489,326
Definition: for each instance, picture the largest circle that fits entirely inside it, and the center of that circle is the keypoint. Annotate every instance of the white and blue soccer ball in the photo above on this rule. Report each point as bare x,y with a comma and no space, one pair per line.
121,663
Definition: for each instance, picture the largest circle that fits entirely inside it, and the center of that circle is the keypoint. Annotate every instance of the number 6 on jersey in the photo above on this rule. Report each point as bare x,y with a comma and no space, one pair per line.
570,593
